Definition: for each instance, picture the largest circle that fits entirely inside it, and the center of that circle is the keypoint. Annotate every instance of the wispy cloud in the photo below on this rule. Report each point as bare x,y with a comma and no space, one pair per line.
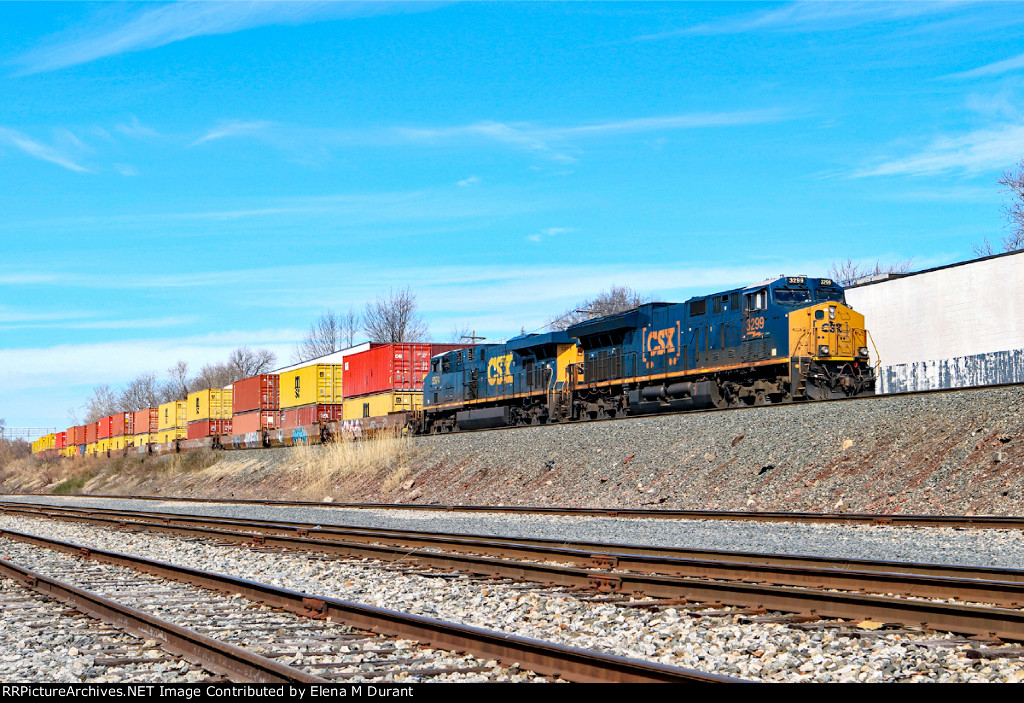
37,369
136,129
693,120
446,206
472,180
555,143
550,232
165,24
993,69
38,150
810,17
967,194
232,128
976,151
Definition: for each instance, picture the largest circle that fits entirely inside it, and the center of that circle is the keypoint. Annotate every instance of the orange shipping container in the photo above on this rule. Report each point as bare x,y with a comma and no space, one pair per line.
145,421
391,367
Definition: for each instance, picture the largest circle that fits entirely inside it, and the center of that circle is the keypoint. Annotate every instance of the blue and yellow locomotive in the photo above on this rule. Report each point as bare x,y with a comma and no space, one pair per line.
522,382
787,339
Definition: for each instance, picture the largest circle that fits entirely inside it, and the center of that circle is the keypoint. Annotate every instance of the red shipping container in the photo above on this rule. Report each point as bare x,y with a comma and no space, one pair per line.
61,439
104,427
80,436
208,428
390,367
254,421
145,421
310,415
91,431
124,423
256,393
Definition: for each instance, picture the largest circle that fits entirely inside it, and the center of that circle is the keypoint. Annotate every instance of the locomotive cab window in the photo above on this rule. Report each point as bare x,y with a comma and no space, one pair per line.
758,300
792,296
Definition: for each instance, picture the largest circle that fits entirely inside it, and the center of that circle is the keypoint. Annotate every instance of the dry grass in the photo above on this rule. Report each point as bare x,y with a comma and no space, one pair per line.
31,474
196,460
324,469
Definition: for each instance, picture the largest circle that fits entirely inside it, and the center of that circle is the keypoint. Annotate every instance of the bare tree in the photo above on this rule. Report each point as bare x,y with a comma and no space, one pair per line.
104,401
323,338
11,449
615,299
392,318
214,376
177,386
245,362
462,333
849,271
141,392
350,326
1012,182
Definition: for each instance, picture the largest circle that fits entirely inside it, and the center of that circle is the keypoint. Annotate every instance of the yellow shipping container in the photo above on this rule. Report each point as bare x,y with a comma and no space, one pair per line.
102,446
43,443
120,442
380,404
319,384
143,439
164,436
210,404
90,448
172,415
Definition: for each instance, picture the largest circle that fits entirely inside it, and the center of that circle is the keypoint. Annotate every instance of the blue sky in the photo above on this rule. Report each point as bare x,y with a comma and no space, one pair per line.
182,179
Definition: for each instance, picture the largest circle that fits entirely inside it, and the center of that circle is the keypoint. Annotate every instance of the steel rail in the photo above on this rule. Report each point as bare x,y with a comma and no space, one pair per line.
535,655
626,557
801,593
212,654
997,522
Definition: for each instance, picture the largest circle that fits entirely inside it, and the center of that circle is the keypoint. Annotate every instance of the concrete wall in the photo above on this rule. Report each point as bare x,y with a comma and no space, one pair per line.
950,327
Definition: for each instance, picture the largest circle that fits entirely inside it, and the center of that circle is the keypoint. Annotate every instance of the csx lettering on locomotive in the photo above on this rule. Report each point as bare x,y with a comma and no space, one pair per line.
498,370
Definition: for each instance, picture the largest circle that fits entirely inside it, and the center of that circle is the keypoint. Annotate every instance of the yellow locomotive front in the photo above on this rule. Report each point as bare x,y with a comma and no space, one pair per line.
829,352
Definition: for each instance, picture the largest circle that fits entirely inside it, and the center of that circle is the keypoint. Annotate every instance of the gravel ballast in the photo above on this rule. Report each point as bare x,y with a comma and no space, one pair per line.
723,645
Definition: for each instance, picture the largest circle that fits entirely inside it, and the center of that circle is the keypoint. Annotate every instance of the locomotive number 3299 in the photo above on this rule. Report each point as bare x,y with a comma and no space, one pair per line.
754,326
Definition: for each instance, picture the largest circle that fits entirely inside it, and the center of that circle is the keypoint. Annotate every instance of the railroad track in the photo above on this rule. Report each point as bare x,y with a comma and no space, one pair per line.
994,522
987,600
258,632
63,644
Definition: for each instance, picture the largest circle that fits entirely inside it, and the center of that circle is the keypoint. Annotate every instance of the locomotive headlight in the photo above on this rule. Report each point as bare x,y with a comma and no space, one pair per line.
823,350
831,312
862,351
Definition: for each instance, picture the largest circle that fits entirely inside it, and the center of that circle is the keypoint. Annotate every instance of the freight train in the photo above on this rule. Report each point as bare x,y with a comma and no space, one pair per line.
789,339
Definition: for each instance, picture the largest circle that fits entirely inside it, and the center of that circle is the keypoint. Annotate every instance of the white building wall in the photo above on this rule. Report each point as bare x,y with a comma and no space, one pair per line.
960,325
